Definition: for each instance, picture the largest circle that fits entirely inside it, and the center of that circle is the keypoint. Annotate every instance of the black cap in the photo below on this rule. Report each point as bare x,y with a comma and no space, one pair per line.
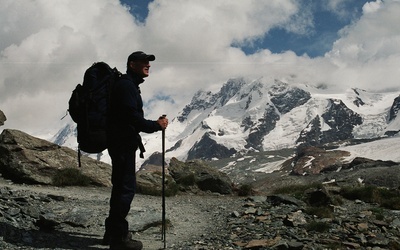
140,55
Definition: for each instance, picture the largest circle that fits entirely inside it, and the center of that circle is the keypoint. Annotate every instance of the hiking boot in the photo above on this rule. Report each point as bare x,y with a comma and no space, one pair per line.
125,244
107,238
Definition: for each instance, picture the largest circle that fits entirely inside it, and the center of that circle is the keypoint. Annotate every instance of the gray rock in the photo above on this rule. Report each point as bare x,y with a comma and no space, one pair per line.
2,118
207,148
27,159
257,199
141,219
47,221
79,217
295,219
191,177
149,181
279,199
203,176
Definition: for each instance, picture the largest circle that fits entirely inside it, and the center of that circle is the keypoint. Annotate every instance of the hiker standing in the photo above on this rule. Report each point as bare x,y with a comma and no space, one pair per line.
125,123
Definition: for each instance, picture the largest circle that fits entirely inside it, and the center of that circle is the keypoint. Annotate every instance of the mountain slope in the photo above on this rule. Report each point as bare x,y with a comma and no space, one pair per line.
262,115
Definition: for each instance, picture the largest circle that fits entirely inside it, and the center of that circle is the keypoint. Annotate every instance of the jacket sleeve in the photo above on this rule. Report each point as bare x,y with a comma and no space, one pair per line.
132,105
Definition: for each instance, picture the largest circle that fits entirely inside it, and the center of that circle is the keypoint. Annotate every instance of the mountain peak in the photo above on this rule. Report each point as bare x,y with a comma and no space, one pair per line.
261,115
271,114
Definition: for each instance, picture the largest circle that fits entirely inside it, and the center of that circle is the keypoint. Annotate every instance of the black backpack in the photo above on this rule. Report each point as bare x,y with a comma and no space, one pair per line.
89,105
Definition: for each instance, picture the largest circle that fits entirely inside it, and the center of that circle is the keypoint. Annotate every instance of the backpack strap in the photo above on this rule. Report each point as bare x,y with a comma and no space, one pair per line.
142,149
79,157
141,146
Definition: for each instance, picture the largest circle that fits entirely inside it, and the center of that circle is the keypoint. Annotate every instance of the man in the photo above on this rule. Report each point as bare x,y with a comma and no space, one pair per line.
126,121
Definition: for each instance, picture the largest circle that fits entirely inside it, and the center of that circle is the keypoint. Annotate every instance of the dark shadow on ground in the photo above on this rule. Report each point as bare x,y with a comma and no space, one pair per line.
47,239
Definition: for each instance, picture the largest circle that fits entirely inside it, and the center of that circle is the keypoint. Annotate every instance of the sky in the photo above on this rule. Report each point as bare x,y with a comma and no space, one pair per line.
46,45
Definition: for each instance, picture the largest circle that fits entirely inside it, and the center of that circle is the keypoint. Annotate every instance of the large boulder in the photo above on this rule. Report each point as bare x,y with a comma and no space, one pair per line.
149,181
27,159
2,118
201,175
187,177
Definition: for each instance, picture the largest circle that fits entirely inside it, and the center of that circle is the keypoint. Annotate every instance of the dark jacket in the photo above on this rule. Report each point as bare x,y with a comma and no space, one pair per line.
126,113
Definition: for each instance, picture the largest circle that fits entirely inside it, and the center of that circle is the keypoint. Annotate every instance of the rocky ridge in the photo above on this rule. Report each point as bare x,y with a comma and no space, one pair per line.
262,115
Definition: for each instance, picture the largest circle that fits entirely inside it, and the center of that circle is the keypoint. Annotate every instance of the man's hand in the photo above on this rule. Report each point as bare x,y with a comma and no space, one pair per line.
163,121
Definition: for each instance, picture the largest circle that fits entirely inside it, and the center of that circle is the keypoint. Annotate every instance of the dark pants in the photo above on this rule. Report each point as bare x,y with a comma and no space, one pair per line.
123,190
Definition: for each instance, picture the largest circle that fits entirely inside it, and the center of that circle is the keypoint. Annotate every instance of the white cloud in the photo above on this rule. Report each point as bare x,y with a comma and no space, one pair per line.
372,6
45,46
367,51
203,31
339,7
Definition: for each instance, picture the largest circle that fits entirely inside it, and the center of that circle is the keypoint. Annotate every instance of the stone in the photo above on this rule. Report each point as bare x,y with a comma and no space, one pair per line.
191,177
256,244
27,159
235,214
2,118
319,197
201,175
78,217
48,221
295,219
285,199
395,223
352,245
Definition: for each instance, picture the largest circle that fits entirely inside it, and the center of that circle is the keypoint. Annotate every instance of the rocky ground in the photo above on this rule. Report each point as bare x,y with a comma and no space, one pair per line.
44,217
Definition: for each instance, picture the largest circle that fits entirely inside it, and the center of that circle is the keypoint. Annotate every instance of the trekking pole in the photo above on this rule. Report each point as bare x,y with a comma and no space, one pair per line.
163,227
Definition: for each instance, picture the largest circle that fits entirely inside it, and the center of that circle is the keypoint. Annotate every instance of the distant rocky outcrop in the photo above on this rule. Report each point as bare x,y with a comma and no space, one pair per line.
27,159
341,121
2,118
313,164
394,109
317,161
206,146
313,160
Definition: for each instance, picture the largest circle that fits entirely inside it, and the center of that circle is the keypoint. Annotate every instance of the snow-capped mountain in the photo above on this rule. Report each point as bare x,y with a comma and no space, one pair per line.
263,115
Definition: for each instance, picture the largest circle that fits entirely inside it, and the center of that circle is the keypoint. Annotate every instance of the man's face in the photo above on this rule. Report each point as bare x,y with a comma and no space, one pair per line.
141,67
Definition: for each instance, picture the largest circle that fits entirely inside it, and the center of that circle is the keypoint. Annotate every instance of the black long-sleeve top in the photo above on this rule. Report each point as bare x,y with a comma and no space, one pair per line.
126,119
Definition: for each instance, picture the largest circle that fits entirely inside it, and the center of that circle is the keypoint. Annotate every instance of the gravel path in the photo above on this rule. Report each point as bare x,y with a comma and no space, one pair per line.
196,222
37,217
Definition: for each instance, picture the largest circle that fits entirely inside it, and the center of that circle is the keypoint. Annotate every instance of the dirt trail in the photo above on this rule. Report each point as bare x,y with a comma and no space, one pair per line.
191,217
